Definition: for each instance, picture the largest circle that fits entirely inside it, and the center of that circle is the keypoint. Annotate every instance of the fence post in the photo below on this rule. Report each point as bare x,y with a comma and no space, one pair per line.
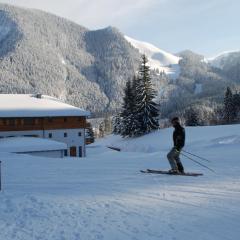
0,177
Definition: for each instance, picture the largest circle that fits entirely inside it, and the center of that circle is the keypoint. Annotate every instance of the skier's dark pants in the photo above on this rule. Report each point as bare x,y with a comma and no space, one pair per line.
174,160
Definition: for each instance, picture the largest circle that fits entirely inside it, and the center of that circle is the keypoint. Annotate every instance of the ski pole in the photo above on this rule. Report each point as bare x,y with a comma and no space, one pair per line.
197,156
198,163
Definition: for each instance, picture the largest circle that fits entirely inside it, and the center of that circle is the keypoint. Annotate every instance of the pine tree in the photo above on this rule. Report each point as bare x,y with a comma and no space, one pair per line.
129,120
147,111
125,112
191,117
117,124
107,125
90,134
101,130
229,107
134,117
236,102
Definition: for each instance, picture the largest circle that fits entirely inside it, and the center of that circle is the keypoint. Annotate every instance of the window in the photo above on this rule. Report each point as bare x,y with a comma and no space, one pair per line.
65,152
29,121
65,119
50,135
30,135
11,122
50,120
19,122
65,134
79,134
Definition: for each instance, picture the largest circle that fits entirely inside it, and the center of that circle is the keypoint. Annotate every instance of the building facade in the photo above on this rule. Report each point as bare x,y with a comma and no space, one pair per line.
44,117
40,147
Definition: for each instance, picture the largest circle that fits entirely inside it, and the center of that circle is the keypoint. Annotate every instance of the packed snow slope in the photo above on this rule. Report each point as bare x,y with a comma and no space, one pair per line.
158,58
104,196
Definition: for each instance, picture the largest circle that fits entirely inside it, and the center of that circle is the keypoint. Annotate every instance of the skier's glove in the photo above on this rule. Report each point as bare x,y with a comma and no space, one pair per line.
177,149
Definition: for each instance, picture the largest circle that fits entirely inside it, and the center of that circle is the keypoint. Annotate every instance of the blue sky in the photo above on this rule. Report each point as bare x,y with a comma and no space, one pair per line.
204,26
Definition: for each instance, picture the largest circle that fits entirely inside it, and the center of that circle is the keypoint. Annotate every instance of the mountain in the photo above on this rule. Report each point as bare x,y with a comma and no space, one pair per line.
200,86
44,53
40,52
223,58
158,59
190,55
229,63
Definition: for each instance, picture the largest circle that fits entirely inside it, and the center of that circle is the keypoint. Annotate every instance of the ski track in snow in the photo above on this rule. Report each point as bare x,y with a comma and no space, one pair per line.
106,197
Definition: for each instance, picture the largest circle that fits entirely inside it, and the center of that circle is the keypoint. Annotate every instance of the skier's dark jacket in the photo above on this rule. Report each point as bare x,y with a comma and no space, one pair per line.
179,137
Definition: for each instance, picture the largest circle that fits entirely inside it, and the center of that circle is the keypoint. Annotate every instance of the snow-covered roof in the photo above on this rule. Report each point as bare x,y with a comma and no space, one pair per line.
29,144
27,105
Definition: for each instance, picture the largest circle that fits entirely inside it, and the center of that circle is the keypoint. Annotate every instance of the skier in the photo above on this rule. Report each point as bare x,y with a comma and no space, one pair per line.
179,141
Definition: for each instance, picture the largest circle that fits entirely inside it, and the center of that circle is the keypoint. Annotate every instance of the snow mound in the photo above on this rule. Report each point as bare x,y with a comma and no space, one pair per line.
161,140
235,139
28,144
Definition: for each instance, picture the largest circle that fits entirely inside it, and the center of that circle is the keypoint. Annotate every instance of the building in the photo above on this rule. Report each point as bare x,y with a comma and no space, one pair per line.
33,146
25,115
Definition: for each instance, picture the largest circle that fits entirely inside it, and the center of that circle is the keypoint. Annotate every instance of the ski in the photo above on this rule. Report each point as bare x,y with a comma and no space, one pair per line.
191,174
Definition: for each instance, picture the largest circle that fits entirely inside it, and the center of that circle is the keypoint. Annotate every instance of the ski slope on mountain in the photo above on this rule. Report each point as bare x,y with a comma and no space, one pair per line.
158,59
104,196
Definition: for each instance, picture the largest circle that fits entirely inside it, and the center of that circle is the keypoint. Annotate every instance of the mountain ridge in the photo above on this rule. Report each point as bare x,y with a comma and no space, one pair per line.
41,52
50,54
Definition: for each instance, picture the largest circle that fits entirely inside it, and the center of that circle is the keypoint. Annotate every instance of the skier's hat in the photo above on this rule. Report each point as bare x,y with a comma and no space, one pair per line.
175,119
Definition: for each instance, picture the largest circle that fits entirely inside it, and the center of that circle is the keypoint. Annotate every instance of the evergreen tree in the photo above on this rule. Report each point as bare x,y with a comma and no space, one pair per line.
229,107
129,120
236,101
147,111
126,108
107,125
117,124
101,130
89,134
134,117
191,117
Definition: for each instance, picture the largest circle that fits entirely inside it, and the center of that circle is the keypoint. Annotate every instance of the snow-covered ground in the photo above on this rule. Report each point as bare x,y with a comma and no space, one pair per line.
104,196
29,144
198,88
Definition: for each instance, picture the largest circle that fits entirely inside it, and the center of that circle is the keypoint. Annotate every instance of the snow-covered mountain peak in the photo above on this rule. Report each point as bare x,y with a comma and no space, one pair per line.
164,58
219,60
223,54
158,58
